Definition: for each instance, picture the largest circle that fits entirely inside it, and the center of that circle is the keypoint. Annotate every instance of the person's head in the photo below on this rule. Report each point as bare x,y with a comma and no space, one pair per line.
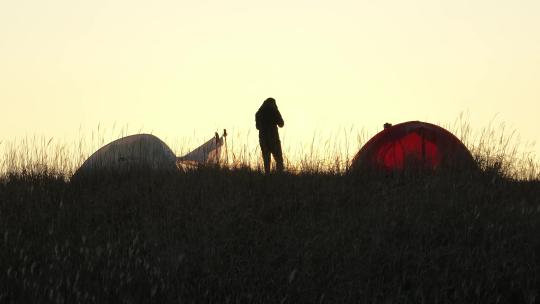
269,102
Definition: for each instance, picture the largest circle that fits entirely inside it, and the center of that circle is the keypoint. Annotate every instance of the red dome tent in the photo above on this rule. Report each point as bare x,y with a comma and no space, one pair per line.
412,145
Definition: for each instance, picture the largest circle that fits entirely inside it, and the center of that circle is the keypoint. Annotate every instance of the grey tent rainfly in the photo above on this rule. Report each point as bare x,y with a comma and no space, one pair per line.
148,151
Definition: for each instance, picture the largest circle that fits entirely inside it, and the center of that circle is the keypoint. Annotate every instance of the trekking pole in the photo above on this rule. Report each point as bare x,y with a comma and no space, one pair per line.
226,149
216,147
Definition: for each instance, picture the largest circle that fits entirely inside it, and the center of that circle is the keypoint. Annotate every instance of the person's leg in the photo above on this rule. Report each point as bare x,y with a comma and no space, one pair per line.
266,156
278,156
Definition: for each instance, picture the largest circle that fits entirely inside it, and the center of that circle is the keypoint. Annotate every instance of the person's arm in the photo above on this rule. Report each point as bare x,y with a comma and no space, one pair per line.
279,119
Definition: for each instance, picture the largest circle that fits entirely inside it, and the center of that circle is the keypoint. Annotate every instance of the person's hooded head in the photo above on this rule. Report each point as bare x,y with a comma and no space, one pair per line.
269,103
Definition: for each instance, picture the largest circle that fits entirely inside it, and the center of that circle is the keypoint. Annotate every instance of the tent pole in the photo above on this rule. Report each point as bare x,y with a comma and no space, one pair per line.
226,148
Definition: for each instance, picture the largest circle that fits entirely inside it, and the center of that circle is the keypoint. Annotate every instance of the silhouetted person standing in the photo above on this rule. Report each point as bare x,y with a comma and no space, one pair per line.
267,120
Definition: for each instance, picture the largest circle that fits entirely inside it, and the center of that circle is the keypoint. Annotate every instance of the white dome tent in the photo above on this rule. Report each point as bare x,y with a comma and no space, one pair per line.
131,152
149,152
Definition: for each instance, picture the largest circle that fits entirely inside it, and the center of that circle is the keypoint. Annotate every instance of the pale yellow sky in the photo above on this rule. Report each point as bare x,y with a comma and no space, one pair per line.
175,68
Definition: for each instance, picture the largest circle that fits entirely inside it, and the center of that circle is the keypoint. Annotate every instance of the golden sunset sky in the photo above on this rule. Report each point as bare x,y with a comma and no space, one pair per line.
178,68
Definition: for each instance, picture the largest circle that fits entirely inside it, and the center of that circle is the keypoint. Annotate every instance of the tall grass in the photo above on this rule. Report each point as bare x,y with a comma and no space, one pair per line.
495,148
38,156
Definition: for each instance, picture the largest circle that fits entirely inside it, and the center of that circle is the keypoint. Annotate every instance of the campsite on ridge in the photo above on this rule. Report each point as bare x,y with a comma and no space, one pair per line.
230,233
412,146
276,151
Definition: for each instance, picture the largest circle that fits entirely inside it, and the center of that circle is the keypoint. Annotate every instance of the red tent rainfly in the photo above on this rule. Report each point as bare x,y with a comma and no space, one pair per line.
413,145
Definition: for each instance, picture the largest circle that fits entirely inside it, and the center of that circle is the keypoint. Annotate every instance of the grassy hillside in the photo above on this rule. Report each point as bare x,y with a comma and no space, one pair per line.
232,235
236,236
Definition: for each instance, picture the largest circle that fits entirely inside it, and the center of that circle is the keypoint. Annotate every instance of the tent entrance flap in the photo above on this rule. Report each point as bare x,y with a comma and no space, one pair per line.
208,153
